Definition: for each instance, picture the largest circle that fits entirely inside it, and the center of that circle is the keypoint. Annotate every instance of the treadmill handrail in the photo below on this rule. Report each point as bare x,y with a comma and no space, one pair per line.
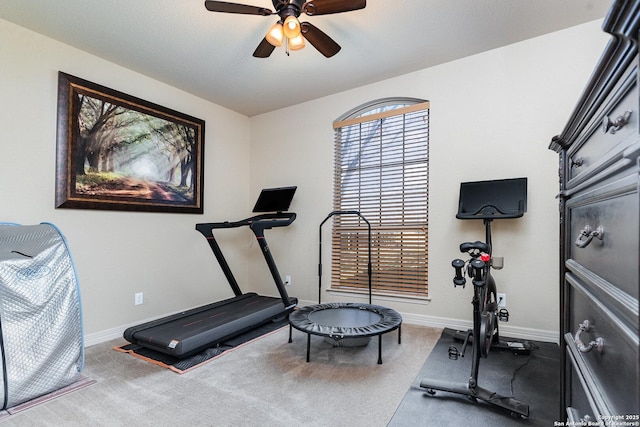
269,220
257,224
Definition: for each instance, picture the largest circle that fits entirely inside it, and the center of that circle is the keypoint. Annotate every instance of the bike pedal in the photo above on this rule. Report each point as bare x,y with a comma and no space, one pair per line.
453,353
518,348
503,315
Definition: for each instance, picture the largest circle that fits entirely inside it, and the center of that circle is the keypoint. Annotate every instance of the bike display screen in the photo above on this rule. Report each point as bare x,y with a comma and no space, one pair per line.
496,199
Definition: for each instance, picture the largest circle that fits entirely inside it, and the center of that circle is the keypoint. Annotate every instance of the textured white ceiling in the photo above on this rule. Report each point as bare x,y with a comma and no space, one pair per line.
210,54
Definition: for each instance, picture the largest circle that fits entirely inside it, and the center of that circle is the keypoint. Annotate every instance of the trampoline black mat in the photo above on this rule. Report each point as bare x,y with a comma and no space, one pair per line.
345,320
533,379
182,366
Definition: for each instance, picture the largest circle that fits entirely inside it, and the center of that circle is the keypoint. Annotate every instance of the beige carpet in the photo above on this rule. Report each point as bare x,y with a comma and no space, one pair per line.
265,383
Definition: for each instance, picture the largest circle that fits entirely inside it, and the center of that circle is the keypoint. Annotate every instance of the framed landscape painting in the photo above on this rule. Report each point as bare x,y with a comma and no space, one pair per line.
119,152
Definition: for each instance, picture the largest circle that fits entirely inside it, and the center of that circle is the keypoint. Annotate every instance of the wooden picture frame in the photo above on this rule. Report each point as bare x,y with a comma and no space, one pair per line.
119,152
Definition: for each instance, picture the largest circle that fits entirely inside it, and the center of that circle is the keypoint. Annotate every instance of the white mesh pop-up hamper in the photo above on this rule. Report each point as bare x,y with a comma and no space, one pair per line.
41,339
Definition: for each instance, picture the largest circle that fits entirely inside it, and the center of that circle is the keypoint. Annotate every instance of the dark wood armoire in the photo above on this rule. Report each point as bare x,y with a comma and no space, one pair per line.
599,152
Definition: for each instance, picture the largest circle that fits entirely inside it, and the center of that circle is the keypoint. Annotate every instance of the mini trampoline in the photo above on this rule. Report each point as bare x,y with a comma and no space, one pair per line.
345,324
345,321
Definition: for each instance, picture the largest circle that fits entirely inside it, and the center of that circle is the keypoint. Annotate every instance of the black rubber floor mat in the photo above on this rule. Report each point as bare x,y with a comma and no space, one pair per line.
531,378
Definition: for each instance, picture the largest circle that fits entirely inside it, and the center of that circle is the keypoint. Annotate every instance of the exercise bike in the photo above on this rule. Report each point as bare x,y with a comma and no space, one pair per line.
486,312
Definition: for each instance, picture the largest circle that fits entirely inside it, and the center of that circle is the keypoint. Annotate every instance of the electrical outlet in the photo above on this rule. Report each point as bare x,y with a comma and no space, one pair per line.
502,300
287,280
138,298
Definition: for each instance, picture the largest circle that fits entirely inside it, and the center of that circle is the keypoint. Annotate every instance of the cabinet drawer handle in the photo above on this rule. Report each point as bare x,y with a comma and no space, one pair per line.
598,343
577,162
587,234
612,127
575,419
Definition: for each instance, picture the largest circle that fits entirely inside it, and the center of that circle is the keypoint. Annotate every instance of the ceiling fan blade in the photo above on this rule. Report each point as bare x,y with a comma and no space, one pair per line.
223,6
325,7
264,49
319,40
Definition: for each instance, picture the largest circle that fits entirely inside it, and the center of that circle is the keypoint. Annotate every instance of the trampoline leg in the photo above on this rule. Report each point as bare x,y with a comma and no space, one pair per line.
380,349
400,334
308,346
290,333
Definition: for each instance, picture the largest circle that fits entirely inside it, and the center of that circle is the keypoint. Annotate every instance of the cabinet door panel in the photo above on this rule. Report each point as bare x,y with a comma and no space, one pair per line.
608,348
614,254
615,128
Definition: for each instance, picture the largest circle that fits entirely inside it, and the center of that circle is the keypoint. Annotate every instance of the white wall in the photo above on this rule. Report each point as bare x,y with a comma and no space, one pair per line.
492,117
117,253
499,108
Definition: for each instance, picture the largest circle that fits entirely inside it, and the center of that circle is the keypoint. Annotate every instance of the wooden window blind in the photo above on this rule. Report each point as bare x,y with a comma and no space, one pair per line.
381,170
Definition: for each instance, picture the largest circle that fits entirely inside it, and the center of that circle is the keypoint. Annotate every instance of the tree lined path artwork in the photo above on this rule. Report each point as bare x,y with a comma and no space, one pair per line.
123,153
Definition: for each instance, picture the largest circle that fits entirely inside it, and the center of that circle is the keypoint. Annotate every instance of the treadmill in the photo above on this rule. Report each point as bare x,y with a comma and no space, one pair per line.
187,333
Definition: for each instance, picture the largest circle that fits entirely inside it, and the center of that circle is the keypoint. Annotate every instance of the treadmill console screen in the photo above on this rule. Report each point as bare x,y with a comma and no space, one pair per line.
274,199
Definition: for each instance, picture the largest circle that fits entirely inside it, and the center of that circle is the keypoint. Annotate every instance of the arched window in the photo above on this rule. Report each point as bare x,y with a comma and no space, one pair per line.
381,170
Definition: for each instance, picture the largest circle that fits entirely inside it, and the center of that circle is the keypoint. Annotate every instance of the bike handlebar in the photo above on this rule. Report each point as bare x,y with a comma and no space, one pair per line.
478,266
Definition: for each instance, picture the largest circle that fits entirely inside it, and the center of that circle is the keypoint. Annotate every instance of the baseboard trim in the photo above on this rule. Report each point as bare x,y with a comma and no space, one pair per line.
103,336
412,318
505,329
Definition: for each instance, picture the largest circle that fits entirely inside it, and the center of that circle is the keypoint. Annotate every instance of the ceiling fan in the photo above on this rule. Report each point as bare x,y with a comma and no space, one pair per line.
288,29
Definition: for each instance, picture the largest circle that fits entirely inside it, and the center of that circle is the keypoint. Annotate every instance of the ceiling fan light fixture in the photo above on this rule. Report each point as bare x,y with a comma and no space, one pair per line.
296,43
275,36
288,26
291,27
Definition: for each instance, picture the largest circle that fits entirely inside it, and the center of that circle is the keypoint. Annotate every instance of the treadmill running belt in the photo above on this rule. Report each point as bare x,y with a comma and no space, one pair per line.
186,333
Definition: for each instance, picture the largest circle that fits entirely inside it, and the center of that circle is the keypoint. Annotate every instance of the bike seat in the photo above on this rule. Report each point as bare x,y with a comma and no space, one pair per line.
477,245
